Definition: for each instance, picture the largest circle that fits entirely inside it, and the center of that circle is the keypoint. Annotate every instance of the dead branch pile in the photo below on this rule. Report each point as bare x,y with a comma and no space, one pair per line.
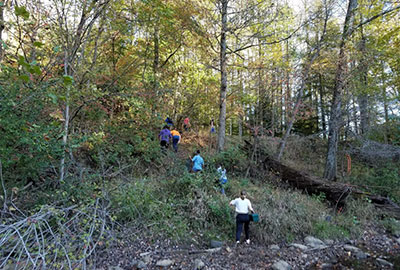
375,152
54,238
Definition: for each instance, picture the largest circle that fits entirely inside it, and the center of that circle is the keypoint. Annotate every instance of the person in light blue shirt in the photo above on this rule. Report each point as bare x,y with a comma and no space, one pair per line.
198,162
222,179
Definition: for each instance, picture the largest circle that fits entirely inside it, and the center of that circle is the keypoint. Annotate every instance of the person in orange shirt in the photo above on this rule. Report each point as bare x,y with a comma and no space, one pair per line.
176,138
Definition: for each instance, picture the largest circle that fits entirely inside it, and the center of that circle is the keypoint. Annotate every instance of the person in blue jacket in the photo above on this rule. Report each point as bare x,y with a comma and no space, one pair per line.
198,162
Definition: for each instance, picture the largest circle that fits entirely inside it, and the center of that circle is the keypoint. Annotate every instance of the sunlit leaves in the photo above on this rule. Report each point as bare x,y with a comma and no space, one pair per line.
22,12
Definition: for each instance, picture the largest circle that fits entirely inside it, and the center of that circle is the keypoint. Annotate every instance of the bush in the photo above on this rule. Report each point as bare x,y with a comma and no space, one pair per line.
384,181
285,215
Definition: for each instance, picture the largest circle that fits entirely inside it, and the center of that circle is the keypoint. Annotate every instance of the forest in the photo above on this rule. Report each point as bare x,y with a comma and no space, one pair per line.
299,101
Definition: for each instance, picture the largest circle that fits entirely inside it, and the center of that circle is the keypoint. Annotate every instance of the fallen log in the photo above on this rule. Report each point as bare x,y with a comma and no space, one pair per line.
335,192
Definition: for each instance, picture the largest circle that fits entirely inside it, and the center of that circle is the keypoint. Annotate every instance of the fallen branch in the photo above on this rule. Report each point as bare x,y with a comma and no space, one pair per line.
335,192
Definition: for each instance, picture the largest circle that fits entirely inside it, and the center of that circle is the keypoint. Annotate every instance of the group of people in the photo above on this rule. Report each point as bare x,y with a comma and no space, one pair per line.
166,136
242,205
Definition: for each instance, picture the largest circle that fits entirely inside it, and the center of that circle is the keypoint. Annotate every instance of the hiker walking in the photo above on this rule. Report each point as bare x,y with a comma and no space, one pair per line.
222,178
212,126
169,121
198,162
186,124
164,137
176,138
242,207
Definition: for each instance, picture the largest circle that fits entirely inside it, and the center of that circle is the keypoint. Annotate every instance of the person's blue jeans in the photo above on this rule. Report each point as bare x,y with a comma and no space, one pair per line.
240,220
175,141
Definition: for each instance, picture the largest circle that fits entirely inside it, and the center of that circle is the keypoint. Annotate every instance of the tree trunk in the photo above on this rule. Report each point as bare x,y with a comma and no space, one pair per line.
363,98
222,101
1,30
336,110
156,63
66,120
322,105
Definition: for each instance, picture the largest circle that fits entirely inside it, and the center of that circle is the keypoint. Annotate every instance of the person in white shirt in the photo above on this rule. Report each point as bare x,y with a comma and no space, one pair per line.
242,208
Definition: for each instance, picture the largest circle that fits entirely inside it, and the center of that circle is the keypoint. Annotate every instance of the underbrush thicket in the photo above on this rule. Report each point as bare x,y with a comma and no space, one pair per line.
79,216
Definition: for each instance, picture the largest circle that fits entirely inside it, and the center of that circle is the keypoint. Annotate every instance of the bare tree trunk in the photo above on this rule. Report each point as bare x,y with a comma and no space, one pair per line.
385,104
355,116
222,102
363,98
156,63
66,121
1,30
312,57
322,105
336,110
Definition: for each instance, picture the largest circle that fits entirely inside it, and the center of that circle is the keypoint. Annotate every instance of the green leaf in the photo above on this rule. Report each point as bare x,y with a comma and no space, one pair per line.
22,62
56,49
24,77
38,44
35,70
68,80
53,97
21,11
4,44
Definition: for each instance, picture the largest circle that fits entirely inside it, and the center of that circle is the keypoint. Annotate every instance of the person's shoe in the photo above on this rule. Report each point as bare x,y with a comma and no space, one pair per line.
237,242
248,241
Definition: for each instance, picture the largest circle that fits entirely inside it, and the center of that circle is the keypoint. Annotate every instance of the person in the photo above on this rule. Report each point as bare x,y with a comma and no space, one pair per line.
198,162
176,138
222,178
164,137
186,124
169,121
242,207
212,126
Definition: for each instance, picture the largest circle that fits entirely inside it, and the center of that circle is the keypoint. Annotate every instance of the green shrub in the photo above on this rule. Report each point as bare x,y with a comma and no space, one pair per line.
328,230
391,225
384,181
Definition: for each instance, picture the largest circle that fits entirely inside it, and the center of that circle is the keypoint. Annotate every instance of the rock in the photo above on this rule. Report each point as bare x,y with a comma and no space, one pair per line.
216,244
299,246
281,265
165,263
314,242
134,263
141,265
361,255
384,262
198,264
351,248
329,242
143,254
10,267
398,241
326,266
396,234
304,256
115,268
147,259
274,247
228,249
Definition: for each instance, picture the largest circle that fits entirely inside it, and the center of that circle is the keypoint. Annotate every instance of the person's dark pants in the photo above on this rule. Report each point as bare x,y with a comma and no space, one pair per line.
164,144
175,141
240,220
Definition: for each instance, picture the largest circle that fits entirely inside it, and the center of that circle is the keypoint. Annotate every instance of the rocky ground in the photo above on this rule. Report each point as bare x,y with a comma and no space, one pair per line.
374,250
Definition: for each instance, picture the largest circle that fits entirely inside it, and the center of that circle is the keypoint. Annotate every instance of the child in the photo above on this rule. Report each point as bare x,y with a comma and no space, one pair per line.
198,162
176,138
222,179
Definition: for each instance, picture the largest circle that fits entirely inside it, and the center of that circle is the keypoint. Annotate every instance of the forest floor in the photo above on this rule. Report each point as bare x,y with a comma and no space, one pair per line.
133,249
374,250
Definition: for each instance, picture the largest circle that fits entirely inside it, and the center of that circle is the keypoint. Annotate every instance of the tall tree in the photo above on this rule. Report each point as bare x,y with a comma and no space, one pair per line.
336,111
